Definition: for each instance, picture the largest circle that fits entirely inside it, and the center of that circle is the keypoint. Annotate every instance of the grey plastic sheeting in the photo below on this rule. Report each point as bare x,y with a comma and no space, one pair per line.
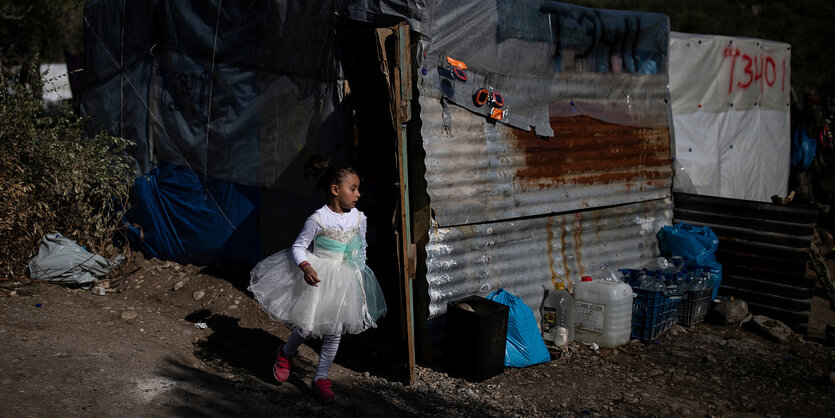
525,49
523,256
60,259
239,91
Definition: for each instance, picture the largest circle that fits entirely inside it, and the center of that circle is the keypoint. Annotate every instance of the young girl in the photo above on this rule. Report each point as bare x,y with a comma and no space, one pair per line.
329,291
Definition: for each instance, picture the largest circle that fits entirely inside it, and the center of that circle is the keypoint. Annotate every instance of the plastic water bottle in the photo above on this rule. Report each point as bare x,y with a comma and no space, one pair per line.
607,274
651,281
699,282
603,312
557,312
666,266
678,262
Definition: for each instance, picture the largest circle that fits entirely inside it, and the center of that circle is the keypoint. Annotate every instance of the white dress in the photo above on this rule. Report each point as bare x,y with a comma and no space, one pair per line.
347,299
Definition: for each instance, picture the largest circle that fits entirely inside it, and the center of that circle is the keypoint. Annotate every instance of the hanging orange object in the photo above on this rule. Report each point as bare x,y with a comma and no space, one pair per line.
497,114
455,63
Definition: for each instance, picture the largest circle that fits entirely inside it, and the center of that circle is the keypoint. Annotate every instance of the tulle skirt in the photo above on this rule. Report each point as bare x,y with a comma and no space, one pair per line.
348,298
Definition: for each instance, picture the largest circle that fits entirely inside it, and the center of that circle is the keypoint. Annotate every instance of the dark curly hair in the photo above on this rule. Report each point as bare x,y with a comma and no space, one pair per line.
325,172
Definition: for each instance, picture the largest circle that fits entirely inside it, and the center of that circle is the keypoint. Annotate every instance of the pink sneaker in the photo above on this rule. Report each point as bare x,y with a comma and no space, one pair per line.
322,389
281,367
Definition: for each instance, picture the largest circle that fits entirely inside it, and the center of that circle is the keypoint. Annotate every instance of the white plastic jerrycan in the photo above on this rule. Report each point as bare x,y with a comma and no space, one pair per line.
602,312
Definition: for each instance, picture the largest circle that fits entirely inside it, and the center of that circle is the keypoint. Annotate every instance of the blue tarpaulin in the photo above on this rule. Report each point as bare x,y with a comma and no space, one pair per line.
182,221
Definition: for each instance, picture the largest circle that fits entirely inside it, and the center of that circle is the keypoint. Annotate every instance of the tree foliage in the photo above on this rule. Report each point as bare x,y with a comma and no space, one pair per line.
30,29
52,178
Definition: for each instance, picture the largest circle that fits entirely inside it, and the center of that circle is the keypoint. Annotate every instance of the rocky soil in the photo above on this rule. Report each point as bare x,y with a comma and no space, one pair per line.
136,351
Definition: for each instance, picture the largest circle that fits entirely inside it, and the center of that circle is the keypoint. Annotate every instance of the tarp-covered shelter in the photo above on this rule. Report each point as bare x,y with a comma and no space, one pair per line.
730,101
731,120
565,165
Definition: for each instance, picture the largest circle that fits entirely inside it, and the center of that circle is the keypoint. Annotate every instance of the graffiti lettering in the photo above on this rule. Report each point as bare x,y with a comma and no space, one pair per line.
747,72
759,70
783,88
769,63
732,53
593,40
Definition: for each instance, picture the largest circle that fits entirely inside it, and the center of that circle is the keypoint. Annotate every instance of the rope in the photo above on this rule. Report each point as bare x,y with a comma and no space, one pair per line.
211,93
159,124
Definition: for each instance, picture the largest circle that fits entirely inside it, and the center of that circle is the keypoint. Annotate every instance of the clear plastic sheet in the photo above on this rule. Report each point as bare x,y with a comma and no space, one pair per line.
610,65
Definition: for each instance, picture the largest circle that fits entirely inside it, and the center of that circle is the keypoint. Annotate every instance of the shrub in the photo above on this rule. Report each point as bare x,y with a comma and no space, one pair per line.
52,178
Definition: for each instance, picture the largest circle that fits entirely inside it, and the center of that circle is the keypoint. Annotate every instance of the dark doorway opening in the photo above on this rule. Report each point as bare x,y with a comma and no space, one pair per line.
371,137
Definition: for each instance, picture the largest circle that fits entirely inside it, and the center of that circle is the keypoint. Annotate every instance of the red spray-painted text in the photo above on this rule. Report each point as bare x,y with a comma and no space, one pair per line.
760,70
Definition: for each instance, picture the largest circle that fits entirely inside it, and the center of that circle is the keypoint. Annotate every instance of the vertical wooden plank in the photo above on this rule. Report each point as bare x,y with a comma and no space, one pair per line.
403,95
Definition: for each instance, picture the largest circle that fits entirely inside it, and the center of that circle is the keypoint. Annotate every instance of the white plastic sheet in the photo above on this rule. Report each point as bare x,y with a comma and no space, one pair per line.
730,101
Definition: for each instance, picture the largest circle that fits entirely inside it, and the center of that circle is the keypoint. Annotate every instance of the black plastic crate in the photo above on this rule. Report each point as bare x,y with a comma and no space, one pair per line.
476,337
653,312
694,306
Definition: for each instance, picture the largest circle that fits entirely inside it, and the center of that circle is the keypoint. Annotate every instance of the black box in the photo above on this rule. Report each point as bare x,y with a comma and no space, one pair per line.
476,335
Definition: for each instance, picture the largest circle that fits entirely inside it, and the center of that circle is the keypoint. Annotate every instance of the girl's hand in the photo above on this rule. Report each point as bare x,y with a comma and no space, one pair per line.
310,276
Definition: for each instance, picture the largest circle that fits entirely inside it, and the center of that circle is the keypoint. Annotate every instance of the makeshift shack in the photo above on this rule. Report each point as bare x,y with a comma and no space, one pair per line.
731,118
503,144
730,101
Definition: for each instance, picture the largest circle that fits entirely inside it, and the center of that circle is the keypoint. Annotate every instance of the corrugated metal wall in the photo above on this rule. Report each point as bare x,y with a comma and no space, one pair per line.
513,210
524,255
481,171
505,207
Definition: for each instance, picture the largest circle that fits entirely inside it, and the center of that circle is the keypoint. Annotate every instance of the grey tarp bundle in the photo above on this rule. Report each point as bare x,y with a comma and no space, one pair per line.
60,259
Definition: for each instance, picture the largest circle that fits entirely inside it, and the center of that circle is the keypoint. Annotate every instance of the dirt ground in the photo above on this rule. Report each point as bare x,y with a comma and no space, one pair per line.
137,352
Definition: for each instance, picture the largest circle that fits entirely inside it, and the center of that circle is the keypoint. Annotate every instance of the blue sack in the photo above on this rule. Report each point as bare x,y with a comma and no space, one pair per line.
697,245
525,346
804,149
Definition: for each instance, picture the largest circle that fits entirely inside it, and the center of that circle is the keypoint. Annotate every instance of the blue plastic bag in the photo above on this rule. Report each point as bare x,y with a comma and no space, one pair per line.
697,245
525,347
804,148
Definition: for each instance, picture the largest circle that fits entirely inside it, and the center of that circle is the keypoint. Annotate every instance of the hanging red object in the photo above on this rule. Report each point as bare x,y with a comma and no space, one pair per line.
480,97
497,100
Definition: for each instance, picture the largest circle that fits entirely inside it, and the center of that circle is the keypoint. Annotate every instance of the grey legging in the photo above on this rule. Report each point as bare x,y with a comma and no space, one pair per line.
330,343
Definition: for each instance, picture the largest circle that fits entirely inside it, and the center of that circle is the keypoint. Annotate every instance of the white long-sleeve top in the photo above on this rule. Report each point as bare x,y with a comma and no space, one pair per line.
330,219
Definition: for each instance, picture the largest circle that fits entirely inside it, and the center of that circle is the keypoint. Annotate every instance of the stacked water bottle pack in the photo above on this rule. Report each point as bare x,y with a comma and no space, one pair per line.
666,292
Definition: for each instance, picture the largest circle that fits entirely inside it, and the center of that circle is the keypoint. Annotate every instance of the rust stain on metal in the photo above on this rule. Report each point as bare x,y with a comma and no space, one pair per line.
578,242
589,151
562,248
549,234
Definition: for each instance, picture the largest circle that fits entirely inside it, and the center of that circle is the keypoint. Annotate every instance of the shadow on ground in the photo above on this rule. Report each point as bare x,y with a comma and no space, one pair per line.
236,275
232,348
202,393
253,350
